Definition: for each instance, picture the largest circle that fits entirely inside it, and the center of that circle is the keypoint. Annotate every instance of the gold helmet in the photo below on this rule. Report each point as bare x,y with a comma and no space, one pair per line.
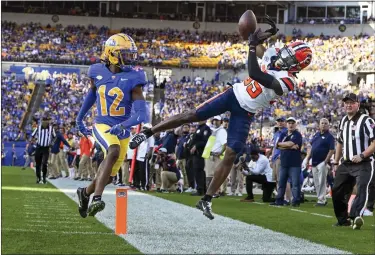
120,50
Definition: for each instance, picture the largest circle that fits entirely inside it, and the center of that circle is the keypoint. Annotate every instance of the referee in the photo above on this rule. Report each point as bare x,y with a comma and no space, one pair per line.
355,149
45,135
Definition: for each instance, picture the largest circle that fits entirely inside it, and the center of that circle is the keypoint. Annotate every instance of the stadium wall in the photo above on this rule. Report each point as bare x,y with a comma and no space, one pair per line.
340,77
118,23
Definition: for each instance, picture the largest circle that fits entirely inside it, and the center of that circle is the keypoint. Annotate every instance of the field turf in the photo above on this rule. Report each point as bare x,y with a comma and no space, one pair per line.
39,219
298,222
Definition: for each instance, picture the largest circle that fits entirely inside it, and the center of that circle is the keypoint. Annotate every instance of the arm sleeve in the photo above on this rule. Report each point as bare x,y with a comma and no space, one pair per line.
265,79
139,78
260,167
340,138
64,141
34,132
281,137
141,114
369,127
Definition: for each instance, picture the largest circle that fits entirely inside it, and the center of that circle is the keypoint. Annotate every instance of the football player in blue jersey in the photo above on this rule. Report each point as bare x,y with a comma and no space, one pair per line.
116,87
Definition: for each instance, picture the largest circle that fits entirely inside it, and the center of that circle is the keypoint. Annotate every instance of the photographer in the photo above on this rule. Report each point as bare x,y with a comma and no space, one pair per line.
262,174
170,174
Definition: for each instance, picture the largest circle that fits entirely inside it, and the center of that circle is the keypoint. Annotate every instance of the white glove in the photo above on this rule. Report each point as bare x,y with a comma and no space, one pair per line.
246,173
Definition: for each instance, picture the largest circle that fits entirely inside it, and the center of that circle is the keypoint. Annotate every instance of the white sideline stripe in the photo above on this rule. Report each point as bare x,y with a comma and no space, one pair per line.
323,215
159,235
64,190
258,203
296,210
55,231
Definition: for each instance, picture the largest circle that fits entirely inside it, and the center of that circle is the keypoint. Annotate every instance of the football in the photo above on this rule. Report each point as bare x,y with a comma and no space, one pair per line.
247,24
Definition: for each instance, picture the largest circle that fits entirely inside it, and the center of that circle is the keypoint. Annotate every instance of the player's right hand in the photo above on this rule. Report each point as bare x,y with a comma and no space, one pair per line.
83,129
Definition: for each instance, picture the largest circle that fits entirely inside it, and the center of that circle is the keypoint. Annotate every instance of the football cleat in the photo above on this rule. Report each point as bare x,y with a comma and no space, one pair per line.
95,207
83,202
206,208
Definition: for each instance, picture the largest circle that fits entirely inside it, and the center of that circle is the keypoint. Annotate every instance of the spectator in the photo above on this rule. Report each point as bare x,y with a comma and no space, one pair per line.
290,163
322,149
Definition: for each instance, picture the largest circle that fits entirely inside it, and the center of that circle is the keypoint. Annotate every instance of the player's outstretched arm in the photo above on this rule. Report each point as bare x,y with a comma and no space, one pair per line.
255,73
89,101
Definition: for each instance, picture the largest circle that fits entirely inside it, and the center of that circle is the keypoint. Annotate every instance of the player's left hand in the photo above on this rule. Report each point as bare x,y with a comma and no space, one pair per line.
116,130
356,159
258,37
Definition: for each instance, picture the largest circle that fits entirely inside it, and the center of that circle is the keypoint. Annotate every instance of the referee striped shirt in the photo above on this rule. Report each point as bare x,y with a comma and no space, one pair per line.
44,135
356,135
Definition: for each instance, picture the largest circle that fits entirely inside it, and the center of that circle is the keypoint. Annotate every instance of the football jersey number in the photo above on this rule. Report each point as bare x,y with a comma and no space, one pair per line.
113,111
253,87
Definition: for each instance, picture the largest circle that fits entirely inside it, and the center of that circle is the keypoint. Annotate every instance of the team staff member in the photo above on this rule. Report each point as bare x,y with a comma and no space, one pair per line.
262,174
200,139
44,134
290,143
180,155
355,147
170,174
56,163
323,147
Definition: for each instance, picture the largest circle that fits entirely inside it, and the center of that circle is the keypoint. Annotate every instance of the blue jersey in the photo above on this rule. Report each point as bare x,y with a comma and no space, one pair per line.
114,93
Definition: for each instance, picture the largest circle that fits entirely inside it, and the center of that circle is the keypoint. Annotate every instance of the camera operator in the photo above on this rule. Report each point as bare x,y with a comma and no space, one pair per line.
170,174
261,173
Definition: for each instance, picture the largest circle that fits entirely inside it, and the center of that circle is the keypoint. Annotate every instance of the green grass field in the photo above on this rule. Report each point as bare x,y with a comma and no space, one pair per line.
39,219
315,228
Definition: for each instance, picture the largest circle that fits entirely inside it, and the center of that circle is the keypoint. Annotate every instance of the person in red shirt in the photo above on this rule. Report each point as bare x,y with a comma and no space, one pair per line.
85,163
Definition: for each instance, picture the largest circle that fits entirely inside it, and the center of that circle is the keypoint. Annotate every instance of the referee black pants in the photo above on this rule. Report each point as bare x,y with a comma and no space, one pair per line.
348,175
41,161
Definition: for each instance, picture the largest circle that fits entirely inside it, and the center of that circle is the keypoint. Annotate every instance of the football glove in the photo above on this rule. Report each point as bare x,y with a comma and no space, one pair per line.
273,30
116,130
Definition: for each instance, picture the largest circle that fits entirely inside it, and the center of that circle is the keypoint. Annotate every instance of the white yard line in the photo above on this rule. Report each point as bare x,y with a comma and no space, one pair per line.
156,225
56,221
296,210
322,215
55,231
67,226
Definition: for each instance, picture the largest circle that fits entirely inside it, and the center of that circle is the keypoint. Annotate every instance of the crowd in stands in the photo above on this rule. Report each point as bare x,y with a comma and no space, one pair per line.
82,45
309,103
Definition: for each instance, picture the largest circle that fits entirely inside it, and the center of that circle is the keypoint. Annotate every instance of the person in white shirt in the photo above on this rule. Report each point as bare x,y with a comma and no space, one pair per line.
125,167
144,153
261,173
216,148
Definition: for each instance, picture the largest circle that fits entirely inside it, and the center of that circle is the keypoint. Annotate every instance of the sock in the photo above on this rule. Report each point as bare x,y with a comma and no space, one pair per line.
97,198
207,198
85,193
148,132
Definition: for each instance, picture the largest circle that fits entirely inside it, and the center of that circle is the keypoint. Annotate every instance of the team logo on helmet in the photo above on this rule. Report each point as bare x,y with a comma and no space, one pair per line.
110,42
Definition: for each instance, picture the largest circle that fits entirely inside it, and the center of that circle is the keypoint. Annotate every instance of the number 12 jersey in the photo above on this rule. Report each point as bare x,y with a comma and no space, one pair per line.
114,93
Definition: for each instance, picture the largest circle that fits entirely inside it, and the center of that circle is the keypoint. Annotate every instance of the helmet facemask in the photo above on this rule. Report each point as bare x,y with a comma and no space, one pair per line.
286,60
